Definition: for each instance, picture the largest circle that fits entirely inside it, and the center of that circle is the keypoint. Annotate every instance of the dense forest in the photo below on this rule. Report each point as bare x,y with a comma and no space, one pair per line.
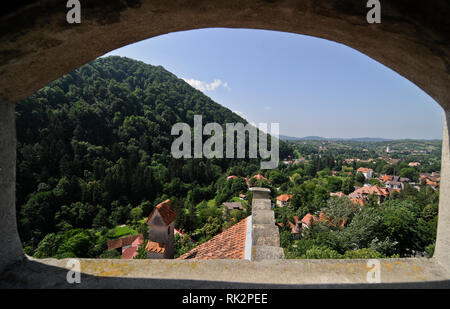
94,153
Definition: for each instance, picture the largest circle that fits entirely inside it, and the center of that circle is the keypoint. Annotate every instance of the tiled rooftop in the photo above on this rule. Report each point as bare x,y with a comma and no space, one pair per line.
129,253
233,205
284,197
377,190
230,244
165,210
155,247
122,242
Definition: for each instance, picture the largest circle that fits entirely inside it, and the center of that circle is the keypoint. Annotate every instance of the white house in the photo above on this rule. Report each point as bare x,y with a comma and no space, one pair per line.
367,172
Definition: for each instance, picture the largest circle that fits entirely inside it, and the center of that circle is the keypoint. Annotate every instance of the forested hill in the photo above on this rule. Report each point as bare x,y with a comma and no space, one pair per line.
95,144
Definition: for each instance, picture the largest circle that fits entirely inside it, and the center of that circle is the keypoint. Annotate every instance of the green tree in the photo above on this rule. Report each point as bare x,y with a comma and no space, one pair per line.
348,185
334,184
364,253
401,225
136,214
48,247
360,178
212,227
77,243
409,172
141,252
317,252
183,244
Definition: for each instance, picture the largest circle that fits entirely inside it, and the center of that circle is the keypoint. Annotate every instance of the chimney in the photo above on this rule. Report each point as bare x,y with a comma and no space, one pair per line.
260,193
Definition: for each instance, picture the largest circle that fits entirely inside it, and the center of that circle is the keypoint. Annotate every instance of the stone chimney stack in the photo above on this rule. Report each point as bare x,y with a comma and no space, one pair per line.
260,193
265,234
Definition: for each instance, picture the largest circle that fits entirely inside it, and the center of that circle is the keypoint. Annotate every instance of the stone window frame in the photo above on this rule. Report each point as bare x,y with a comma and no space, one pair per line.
30,50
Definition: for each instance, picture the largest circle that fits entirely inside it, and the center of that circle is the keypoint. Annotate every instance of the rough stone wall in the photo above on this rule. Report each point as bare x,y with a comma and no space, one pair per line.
38,46
442,251
10,244
154,255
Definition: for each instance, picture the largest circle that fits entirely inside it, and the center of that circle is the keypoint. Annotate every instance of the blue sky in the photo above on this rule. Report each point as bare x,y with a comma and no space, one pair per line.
310,86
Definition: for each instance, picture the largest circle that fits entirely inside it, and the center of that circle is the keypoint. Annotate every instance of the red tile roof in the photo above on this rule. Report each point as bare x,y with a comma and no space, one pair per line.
366,190
308,219
385,178
230,244
364,170
359,201
429,177
129,253
324,218
166,212
340,194
123,242
294,229
156,247
258,177
284,197
432,183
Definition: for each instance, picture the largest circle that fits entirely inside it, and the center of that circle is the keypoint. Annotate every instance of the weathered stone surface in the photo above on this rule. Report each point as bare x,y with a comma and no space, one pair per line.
261,204
267,252
263,217
270,240
160,274
264,230
260,193
265,235
11,247
442,251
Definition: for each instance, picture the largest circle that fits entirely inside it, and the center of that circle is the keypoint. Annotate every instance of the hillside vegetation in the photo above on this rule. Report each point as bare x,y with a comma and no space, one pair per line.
94,152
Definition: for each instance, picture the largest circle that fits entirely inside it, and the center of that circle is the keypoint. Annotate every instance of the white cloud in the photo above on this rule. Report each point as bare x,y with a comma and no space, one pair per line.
204,86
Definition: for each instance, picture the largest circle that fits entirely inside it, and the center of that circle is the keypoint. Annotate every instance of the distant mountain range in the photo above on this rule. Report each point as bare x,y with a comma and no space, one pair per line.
320,138
353,139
